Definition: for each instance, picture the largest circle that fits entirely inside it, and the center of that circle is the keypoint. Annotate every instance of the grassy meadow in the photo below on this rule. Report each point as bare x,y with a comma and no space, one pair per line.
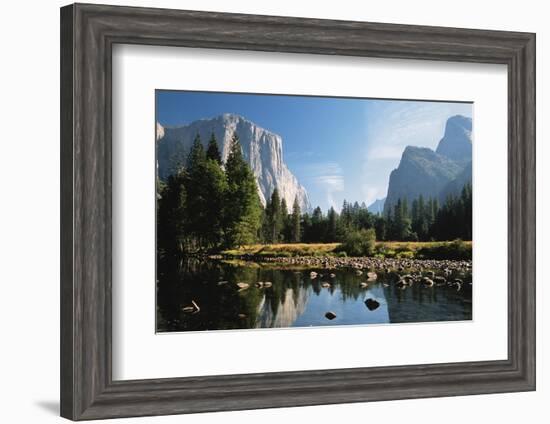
457,250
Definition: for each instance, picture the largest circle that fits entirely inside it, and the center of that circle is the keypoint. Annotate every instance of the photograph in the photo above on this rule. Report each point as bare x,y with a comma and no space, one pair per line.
277,211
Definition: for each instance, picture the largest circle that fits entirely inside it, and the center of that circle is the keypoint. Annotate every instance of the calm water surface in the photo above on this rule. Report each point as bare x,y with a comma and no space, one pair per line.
204,295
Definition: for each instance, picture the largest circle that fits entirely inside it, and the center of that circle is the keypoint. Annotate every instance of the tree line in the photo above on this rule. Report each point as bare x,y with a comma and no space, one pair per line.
423,220
206,205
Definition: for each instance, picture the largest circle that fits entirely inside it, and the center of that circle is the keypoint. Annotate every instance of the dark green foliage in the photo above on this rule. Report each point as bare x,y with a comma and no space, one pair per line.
454,219
274,218
295,223
314,227
196,224
203,208
332,226
427,221
212,151
242,207
286,230
171,214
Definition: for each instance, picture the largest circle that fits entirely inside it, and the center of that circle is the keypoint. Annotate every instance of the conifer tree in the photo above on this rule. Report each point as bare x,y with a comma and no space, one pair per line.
332,225
212,151
171,214
242,208
215,185
274,218
296,232
196,206
285,222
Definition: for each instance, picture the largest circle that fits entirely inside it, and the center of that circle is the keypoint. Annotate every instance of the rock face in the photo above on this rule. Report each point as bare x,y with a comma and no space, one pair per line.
377,207
261,148
438,174
456,144
455,186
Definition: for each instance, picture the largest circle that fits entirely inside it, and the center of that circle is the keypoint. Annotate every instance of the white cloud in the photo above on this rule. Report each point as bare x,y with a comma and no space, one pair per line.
327,177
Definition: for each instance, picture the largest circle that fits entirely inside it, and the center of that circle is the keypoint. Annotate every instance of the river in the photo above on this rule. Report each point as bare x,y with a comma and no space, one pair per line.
195,295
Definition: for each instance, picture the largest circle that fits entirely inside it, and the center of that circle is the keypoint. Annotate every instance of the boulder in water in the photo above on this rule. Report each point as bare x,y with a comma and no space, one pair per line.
372,304
330,315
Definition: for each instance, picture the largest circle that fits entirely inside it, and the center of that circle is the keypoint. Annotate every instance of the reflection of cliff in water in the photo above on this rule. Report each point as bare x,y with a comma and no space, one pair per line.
289,308
293,298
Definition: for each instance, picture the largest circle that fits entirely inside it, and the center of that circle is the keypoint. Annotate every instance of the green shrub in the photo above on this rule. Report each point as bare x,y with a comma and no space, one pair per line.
359,242
342,254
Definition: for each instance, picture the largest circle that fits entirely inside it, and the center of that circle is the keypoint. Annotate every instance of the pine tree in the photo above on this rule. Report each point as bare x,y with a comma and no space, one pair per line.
380,226
332,226
317,226
196,207
274,218
212,151
466,198
296,232
242,209
215,185
171,214
306,228
401,220
285,222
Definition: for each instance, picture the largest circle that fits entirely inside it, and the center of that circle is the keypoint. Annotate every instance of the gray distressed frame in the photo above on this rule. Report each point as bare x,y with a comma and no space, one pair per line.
88,33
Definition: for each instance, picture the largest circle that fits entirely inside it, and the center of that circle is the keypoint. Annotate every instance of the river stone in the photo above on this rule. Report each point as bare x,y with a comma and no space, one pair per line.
330,315
372,304
427,282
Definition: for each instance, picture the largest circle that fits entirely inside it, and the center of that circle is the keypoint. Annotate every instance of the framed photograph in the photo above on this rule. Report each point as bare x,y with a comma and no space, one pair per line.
269,211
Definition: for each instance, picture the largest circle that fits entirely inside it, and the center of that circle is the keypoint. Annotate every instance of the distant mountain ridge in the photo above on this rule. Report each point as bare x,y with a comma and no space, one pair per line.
262,149
438,174
377,207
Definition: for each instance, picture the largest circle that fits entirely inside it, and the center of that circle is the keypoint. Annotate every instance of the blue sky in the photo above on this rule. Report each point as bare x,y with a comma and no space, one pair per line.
338,148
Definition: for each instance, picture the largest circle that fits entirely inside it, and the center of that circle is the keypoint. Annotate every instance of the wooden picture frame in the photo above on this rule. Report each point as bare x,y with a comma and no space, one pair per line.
88,33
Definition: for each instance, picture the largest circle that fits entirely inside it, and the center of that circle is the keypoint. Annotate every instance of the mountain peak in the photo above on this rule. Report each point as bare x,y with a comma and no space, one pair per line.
261,148
422,171
456,143
159,132
377,207
232,117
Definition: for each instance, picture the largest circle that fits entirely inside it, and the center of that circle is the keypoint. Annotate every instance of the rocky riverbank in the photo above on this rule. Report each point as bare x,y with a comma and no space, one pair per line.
387,265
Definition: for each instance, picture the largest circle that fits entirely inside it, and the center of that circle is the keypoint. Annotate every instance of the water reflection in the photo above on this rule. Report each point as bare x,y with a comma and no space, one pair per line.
288,298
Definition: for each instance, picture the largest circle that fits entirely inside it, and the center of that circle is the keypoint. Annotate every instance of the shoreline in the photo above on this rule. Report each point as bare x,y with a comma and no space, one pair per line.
366,263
